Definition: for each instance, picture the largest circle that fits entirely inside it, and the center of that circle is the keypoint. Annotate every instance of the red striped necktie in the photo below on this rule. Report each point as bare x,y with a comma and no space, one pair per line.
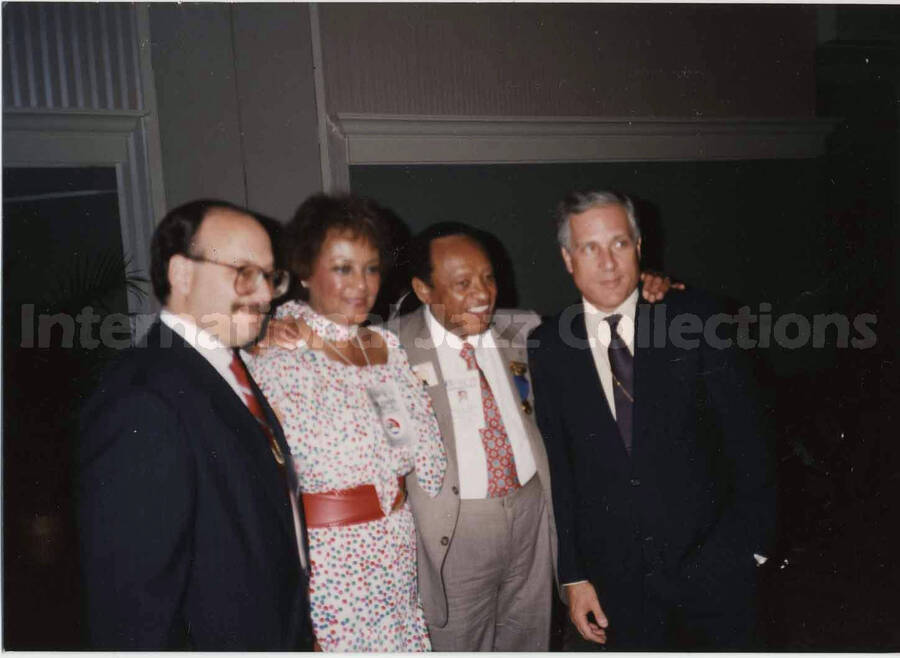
240,372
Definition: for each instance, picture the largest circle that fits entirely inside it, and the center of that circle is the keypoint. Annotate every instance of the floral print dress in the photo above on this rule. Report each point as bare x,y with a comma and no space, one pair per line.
363,592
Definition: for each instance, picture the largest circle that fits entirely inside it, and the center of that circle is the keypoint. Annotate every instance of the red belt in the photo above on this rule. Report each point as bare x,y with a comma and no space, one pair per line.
347,506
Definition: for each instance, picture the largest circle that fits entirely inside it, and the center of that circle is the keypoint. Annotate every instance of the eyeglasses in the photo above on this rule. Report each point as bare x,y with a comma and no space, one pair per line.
249,277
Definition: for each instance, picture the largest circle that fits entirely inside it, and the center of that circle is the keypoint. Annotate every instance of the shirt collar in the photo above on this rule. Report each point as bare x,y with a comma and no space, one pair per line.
627,309
200,339
440,335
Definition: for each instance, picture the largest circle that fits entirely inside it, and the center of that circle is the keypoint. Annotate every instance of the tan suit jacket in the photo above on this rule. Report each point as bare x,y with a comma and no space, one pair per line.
436,517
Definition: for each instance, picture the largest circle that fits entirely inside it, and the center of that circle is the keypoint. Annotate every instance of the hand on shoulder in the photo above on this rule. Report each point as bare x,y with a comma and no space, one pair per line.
656,285
376,344
286,333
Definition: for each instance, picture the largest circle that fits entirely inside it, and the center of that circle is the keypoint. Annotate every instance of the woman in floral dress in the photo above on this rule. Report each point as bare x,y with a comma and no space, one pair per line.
357,420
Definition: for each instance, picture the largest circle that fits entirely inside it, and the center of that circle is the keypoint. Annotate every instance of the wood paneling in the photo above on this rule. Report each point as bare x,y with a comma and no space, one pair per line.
569,60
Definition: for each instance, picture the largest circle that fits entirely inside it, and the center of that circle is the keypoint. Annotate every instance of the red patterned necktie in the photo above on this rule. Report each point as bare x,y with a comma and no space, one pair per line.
240,372
501,464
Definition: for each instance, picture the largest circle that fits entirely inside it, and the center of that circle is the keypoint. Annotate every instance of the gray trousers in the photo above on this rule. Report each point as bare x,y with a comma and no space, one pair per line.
498,576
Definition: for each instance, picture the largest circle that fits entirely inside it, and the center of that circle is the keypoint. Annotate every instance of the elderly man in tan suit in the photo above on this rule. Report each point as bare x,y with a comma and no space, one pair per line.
487,542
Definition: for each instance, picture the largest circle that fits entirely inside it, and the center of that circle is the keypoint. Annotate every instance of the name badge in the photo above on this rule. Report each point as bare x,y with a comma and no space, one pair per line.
392,413
464,394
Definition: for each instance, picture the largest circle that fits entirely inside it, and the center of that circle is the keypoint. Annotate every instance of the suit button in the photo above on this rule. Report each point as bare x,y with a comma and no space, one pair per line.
635,482
445,541
455,489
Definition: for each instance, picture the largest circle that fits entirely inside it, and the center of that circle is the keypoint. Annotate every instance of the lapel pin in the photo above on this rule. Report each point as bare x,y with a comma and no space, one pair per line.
426,373
517,368
276,452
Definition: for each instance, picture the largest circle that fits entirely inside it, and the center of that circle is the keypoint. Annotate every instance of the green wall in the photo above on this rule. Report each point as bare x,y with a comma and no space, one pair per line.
750,231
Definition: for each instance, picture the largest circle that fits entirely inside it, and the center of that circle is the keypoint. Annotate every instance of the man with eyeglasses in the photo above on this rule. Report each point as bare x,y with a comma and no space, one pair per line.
190,532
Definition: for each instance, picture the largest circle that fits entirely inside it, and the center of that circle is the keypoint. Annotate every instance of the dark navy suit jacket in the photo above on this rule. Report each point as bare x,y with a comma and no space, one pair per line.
185,525
680,518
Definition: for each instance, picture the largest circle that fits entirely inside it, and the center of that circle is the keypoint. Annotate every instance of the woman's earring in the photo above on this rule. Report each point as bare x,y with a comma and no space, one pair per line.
305,284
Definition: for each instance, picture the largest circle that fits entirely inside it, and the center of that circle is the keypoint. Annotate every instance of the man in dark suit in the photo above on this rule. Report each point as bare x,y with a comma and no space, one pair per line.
661,472
190,535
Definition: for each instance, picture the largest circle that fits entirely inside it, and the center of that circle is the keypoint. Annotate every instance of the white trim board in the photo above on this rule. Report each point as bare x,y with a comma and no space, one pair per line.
60,138
383,139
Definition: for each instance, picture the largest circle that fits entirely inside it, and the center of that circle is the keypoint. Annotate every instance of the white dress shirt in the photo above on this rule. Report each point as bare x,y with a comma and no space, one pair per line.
599,338
473,477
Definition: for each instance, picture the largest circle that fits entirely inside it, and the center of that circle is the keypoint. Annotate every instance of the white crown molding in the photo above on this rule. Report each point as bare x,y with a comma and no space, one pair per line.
394,139
70,121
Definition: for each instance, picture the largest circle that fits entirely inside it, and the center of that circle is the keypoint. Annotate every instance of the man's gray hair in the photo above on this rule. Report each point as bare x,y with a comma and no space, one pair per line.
576,203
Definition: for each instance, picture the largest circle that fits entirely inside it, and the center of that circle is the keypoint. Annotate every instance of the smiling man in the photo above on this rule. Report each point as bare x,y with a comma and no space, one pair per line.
190,536
486,542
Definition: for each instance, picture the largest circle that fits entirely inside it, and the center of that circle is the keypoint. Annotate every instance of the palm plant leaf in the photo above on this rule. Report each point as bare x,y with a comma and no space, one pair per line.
93,281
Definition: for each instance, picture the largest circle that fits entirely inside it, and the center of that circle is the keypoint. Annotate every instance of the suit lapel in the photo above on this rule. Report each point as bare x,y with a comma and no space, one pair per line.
656,376
644,365
518,353
510,353
416,339
246,434
251,439
275,425
585,378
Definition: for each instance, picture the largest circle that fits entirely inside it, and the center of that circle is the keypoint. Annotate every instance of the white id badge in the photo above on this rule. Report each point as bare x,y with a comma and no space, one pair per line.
392,414
464,394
